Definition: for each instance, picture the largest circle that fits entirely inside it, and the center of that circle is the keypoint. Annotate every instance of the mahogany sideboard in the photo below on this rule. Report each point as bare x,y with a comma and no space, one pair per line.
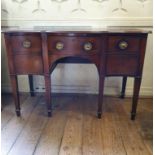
114,52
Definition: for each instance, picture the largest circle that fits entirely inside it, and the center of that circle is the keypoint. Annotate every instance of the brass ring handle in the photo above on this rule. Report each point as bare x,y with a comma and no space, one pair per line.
59,46
123,45
88,46
26,44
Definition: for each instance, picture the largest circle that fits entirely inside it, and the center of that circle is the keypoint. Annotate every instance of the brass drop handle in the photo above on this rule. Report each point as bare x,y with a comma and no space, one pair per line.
26,44
123,45
59,46
88,46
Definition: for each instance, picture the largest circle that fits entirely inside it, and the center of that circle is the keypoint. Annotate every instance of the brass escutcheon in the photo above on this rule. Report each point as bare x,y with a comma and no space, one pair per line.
26,44
123,45
59,45
88,46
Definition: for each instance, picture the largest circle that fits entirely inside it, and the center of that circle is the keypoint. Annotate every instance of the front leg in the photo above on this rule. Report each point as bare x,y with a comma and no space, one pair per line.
137,83
15,92
48,94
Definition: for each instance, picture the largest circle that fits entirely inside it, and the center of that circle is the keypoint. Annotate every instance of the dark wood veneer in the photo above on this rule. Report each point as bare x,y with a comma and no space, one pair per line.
17,43
119,64
28,64
133,43
71,44
40,55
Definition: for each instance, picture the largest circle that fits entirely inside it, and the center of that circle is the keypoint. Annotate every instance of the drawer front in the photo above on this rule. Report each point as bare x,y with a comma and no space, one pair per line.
123,44
73,45
27,64
26,44
122,64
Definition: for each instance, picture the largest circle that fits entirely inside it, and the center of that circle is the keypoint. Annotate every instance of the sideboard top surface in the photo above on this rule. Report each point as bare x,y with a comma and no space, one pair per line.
73,29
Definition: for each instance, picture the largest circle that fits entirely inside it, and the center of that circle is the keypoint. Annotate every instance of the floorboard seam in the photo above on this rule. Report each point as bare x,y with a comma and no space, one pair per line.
40,137
63,133
6,123
122,142
120,132
23,126
12,116
82,131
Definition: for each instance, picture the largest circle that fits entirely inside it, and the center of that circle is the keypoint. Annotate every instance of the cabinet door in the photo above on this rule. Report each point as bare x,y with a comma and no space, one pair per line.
118,64
28,64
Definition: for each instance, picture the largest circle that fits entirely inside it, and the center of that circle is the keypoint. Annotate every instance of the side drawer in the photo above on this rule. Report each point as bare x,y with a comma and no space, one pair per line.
126,44
26,43
27,64
122,64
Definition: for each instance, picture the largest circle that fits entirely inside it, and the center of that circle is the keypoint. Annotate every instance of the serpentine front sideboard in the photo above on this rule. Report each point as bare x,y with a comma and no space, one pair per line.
115,52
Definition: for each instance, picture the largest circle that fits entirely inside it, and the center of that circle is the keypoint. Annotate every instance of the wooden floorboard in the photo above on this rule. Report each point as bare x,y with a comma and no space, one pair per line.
143,122
11,131
8,108
92,136
74,128
111,136
31,133
72,139
131,138
92,132
51,137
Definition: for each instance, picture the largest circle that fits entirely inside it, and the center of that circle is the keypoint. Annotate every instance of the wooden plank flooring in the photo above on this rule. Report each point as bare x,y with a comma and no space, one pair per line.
74,128
9,110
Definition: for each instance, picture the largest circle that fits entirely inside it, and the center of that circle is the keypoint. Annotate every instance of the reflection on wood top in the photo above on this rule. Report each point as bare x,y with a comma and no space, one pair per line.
74,29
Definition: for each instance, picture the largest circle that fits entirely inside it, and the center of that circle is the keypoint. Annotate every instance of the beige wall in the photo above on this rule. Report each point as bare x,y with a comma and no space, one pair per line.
79,78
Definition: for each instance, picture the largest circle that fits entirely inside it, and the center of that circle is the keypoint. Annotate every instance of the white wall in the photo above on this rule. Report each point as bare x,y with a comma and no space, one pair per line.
96,13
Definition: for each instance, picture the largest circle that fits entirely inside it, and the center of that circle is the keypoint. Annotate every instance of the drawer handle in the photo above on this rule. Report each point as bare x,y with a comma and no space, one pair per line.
59,46
123,45
88,46
26,44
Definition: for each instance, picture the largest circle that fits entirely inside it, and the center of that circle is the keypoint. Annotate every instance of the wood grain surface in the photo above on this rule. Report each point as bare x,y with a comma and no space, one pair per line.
74,128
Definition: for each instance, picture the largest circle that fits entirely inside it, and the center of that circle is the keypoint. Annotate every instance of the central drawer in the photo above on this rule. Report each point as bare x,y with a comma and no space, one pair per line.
74,45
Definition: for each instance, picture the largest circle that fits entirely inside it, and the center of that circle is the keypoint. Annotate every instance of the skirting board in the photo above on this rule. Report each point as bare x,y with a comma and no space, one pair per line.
113,91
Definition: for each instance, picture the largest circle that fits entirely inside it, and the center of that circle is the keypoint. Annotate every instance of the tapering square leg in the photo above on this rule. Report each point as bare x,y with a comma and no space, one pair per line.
15,92
31,85
137,83
124,81
48,94
100,96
